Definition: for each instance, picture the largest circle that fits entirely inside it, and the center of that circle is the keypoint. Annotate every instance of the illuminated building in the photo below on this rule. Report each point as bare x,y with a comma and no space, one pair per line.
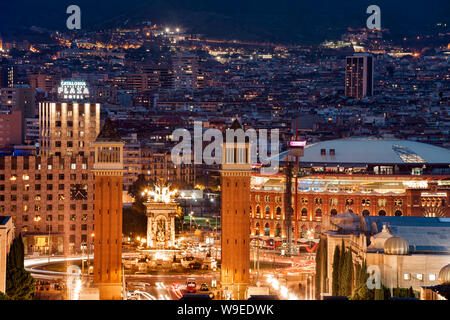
235,247
161,210
6,238
108,170
50,200
69,128
408,251
366,176
186,72
359,76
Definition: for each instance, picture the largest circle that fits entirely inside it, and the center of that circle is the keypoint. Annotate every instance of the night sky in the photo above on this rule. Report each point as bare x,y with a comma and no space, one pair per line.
282,19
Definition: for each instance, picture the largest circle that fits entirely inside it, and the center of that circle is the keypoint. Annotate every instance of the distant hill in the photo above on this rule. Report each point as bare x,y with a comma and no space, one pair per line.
303,21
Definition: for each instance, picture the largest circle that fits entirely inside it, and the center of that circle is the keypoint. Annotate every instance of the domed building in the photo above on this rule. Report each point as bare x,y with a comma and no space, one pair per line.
441,291
396,246
408,251
377,241
444,275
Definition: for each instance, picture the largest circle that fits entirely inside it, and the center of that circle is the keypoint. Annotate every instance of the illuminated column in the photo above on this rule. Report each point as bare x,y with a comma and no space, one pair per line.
108,170
235,186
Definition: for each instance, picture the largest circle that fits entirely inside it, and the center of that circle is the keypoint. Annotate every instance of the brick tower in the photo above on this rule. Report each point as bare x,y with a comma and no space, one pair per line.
235,185
108,172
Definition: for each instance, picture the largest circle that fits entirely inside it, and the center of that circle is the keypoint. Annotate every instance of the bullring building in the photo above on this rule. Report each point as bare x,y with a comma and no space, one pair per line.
368,177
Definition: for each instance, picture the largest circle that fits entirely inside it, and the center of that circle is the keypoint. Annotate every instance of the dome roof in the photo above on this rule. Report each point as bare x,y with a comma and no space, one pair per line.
396,246
444,275
377,241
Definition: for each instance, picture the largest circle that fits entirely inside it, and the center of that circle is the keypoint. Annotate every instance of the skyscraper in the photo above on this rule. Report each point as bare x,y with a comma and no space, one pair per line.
236,171
108,171
359,76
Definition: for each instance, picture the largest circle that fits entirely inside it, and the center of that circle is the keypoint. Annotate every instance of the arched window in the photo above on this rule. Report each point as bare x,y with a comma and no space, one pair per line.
366,213
278,211
333,212
267,211
251,212
304,212
382,213
278,231
258,211
267,230
398,213
318,212
257,229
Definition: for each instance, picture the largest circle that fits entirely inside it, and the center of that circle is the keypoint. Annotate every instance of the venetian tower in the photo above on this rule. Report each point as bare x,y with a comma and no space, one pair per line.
108,170
235,185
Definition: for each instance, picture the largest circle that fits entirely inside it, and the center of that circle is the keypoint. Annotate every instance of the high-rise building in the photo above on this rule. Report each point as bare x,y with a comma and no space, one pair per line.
46,82
235,185
186,73
359,71
18,98
108,171
11,128
7,75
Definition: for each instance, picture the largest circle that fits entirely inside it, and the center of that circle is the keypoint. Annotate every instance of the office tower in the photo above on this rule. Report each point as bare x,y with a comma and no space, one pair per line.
235,174
359,76
108,171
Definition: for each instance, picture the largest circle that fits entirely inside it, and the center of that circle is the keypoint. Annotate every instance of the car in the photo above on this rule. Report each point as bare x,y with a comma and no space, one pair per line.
204,287
191,285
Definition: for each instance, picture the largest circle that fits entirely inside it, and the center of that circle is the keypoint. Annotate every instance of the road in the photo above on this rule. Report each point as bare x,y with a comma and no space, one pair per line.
146,287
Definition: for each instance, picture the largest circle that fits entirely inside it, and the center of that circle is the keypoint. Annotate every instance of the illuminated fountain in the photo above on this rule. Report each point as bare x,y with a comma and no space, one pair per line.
161,211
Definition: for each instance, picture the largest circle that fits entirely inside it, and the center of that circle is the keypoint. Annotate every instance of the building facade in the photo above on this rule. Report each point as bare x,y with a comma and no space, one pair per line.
50,200
68,128
328,184
359,70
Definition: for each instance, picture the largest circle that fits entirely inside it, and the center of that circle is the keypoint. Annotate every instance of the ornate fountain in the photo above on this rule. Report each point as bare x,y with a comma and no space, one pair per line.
161,211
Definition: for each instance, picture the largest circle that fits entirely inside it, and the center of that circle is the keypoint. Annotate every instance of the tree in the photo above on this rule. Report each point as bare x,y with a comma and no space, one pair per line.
20,285
4,296
318,269
347,274
335,274
134,222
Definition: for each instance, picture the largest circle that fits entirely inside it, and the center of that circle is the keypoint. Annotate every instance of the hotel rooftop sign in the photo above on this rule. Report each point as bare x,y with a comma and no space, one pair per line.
73,90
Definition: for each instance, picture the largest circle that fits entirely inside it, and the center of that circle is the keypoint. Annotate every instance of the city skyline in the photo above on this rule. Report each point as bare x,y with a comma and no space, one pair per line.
204,155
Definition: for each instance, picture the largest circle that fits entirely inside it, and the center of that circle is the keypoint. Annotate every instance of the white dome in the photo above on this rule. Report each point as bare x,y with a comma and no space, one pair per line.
444,275
377,241
396,246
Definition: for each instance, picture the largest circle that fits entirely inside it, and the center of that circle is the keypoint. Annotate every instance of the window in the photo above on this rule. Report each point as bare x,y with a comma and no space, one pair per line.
419,276
333,202
267,211
382,202
406,276
432,277
73,166
60,217
49,187
278,212
304,212
318,201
